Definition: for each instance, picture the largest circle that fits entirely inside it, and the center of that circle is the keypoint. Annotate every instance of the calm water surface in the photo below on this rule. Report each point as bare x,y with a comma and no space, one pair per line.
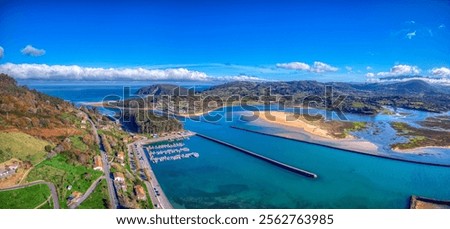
225,178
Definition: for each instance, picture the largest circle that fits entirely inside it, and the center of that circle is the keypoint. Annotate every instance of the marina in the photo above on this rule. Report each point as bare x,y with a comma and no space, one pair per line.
170,149
224,177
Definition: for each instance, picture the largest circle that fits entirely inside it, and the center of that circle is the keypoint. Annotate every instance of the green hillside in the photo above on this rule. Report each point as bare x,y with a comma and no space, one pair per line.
21,146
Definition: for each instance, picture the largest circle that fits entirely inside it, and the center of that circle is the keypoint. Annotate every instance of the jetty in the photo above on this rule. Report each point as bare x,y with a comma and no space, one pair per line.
266,159
340,148
418,202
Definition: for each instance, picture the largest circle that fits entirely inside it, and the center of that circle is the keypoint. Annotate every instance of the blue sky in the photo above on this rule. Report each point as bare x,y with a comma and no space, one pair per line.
275,40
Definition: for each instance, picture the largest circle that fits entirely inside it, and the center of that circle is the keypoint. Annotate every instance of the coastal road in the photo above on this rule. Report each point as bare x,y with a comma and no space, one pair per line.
50,185
160,200
111,189
150,189
87,193
114,201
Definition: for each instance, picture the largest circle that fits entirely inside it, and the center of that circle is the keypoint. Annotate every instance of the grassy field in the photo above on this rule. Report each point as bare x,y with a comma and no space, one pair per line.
71,118
77,142
419,137
23,146
25,198
63,174
98,199
47,205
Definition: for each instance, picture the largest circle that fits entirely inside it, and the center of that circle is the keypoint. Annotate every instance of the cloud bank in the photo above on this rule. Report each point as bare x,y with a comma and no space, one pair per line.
370,74
401,73
294,66
75,72
32,51
441,81
443,71
322,67
317,67
399,70
238,78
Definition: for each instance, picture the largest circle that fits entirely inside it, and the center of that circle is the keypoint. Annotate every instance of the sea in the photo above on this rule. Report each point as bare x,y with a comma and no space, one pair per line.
222,177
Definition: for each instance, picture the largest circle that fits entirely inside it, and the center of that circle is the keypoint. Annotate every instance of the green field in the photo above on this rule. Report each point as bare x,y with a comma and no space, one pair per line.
77,142
47,205
419,137
63,174
71,118
98,199
25,198
21,146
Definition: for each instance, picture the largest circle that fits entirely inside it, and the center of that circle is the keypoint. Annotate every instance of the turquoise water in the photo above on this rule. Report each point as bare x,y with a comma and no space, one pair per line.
225,178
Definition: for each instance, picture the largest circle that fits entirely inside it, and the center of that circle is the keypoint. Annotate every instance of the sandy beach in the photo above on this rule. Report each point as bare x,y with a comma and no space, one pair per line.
288,119
311,133
194,115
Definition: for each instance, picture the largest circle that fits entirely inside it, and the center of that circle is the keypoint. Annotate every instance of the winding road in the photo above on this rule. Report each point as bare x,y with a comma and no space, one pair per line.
50,185
87,193
114,202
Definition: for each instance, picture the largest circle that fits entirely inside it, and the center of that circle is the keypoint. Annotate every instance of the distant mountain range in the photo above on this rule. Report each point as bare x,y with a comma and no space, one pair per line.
163,89
366,98
410,87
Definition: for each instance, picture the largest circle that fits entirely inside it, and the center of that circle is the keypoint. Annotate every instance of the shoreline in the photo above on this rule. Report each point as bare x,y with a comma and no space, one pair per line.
161,201
282,118
415,150
345,143
184,115
152,184
383,156
323,138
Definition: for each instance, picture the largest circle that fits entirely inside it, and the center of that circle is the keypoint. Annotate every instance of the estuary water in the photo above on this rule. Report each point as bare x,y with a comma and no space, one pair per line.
225,178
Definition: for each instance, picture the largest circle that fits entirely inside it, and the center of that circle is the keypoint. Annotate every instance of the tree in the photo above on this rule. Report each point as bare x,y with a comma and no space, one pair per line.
87,139
48,148
152,124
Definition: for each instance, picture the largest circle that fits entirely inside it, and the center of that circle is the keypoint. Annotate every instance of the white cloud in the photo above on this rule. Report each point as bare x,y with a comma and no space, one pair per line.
401,69
239,78
370,74
440,81
411,35
322,67
2,52
443,71
348,68
442,26
368,68
75,72
294,66
317,67
32,51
